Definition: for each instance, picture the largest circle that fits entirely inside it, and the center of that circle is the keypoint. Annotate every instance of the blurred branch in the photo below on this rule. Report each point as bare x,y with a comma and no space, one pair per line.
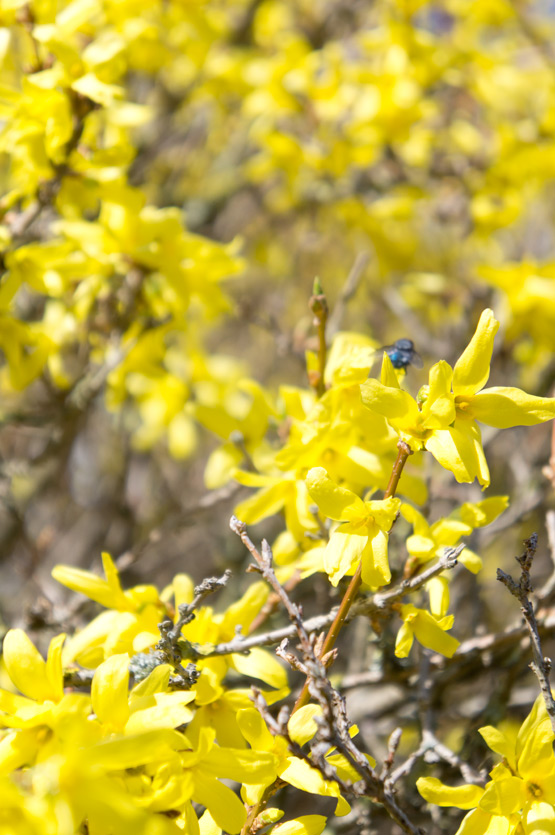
530,31
347,292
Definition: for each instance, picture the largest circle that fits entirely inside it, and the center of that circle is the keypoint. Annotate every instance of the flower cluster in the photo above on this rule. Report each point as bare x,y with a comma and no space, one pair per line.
148,153
141,754
521,793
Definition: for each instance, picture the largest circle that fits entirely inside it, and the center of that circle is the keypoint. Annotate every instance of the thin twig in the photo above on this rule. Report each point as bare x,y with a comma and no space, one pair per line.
333,725
448,560
541,665
376,604
549,586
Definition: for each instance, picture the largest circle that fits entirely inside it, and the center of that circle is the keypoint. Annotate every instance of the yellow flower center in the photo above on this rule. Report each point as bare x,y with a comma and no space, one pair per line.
363,522
533,790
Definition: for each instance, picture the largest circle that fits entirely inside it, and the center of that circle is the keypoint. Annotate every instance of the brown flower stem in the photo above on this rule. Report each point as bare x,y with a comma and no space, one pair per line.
352,589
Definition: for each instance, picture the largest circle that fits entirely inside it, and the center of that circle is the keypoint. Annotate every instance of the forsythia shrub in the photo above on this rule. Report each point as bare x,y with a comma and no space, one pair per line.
149,153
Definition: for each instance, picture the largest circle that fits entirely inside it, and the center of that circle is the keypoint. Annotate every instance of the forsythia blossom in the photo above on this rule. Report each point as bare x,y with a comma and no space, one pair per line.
443,420
521,793
363,534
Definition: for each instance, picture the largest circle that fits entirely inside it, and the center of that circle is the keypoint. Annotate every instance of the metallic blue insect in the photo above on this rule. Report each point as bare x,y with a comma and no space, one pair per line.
402,353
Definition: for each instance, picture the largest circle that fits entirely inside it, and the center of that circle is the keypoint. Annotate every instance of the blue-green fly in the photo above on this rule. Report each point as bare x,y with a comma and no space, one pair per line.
402,354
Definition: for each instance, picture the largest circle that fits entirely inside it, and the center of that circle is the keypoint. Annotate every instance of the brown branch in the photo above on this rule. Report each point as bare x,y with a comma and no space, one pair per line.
333,725
540,666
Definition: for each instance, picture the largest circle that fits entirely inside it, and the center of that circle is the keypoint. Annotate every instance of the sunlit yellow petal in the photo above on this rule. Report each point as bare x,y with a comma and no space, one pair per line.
404,641
303,825
478,514
503,797
392,403
539,819
471,371
109,691
500,743
436,792
92,586
225,807
439,408
260,664
254,729
503,407
265,502
388,375
343,551
459,450
54,669
334,501
438,592
27,668
375,565
301,725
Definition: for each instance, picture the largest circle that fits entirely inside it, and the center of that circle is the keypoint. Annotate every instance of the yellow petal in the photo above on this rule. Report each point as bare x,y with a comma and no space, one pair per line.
416,519
539,819
26,667
132,751
498,742
388,375
471,371
375,566
350,358
479,822
110,690
504,406
436,792
265,502
241,765
260,664
471,561
420,546
156,682
392,403
106,592
18,749
343,551
384,512
54,670
459,449
303,825
334,501
301,725
225,807
438,592
254,729
448,531
207,824
439,408
158,716
503,797
478,514
430,635
404,641
300,774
